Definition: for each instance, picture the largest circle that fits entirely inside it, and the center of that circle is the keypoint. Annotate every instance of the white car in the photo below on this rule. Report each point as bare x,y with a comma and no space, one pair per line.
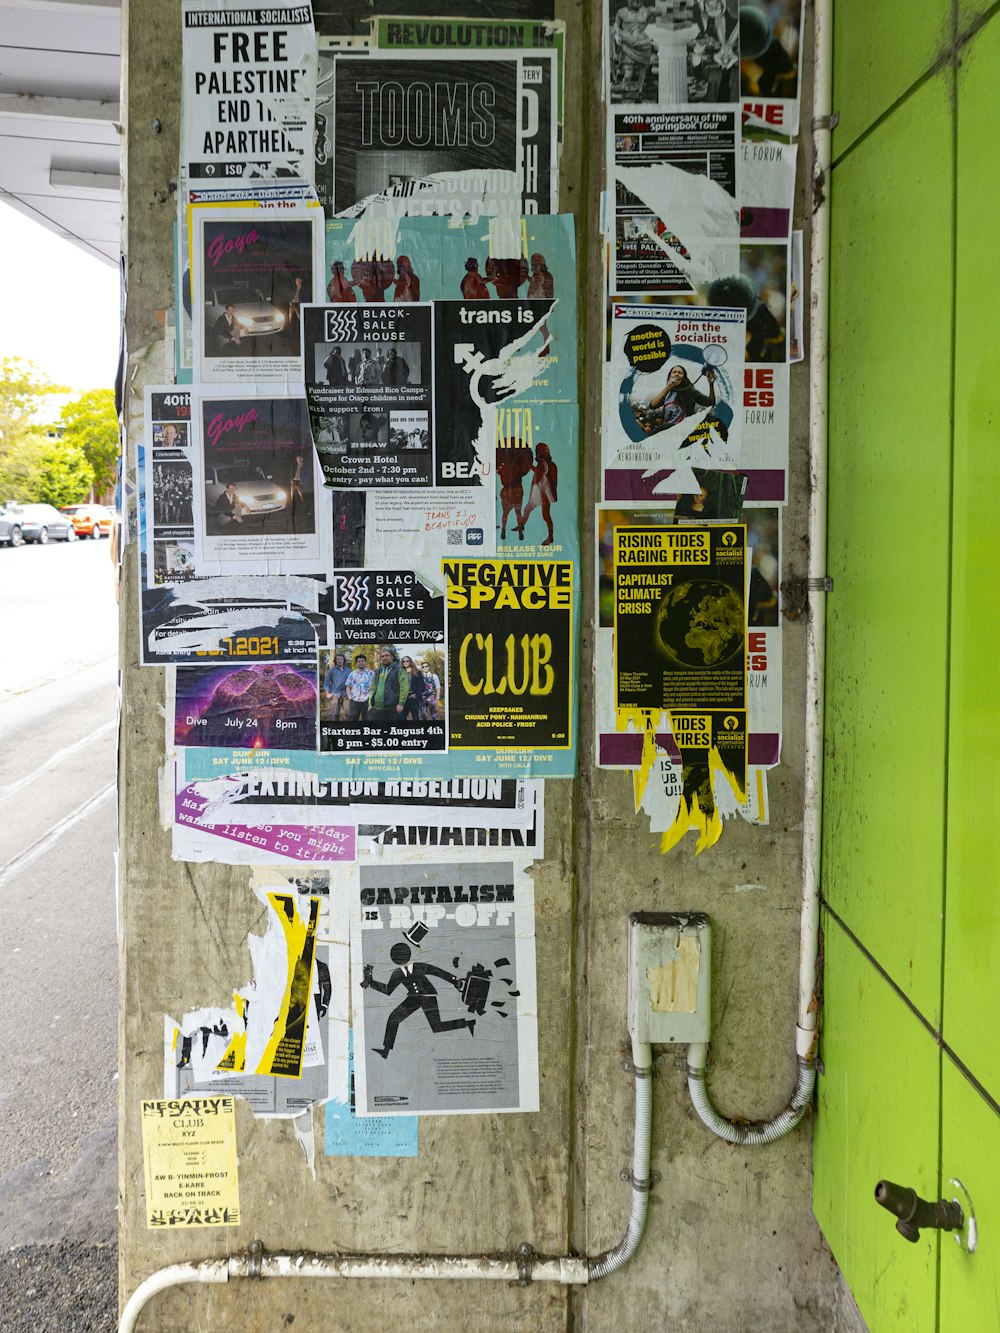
256,492
254,313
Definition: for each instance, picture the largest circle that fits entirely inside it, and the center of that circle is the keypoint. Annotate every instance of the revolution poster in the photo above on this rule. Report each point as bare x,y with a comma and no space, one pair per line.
444,996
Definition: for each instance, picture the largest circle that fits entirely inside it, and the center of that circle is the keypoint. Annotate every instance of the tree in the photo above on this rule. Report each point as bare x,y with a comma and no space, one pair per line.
91,425
23,388
40,469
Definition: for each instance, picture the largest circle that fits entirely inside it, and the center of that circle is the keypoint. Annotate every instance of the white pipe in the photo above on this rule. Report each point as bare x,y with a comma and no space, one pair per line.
812,832
525,1266
612,1260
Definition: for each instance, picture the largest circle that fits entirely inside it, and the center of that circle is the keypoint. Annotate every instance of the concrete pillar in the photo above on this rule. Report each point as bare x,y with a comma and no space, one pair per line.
731,1242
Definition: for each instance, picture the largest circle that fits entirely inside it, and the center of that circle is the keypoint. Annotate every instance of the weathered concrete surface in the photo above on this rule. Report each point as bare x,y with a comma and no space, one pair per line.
731,1240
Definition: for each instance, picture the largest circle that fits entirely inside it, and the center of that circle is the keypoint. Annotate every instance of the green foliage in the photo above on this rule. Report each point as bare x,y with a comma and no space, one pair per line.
23,388
49,471
90,424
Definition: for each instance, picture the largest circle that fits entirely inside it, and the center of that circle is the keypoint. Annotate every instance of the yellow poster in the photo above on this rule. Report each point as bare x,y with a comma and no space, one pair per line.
190,1163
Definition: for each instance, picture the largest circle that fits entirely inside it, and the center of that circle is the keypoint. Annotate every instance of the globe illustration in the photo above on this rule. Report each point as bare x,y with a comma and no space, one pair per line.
700,623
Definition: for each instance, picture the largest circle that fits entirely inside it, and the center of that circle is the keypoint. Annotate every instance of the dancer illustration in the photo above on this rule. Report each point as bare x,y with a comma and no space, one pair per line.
415,978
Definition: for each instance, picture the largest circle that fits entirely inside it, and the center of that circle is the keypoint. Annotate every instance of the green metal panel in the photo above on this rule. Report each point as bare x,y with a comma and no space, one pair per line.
970,1147
880,50
972,921
888,548
877,1118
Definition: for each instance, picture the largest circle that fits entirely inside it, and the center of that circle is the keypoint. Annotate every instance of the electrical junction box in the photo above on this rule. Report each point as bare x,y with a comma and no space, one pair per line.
669,977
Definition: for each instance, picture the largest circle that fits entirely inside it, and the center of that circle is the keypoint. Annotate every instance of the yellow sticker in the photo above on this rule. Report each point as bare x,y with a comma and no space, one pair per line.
190,1163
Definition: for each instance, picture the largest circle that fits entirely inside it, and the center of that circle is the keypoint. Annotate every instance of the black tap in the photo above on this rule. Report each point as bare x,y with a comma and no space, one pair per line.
912,1212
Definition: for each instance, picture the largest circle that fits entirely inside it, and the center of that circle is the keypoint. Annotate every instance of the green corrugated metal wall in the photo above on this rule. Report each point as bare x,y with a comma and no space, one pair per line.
912,810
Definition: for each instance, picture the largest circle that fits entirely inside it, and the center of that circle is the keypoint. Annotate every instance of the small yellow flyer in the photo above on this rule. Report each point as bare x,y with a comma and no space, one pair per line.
189,1155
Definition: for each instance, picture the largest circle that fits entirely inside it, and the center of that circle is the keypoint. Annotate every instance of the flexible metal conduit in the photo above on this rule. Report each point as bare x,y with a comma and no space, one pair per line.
523,1267
819,254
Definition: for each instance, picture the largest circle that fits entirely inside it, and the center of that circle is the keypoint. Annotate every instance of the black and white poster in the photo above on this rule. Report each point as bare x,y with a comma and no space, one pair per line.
369,385
444,995
464,132
248,88
672,174
491,351
674,54
384,686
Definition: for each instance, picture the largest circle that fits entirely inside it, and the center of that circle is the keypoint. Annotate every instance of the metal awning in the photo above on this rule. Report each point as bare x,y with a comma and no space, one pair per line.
59,118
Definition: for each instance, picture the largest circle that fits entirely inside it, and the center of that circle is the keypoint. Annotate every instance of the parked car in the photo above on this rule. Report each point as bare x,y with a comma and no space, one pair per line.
88,520
255,491
33,523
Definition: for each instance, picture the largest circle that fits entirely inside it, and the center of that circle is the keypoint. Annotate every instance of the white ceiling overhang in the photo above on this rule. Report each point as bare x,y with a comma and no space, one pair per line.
59,118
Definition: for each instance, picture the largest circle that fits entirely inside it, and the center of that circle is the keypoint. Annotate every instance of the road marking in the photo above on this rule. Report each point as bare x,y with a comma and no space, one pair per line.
49,839
57,758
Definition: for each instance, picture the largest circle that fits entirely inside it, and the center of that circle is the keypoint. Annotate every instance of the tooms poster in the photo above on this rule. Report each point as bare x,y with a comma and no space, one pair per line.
443,970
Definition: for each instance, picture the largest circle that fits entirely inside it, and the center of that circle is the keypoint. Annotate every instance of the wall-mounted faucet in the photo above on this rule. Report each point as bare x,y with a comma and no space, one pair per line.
912,1212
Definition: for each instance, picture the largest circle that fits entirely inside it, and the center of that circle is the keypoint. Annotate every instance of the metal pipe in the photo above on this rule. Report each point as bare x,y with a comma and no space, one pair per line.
523,1267
812,832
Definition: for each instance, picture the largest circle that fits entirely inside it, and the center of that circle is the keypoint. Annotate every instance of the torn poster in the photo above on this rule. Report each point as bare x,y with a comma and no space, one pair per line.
765,433
661,797
259,705
354,17
444,999
267,1044
686,53
257,498
167,487
770,70
511,664
461,133
248,91
672,173
209,823
371,528
285,798
410,842
680,618
767,187
796,287
492,353
369,378
251,272
347,1134
190,1162
233,618
437,259
675,381
386,688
